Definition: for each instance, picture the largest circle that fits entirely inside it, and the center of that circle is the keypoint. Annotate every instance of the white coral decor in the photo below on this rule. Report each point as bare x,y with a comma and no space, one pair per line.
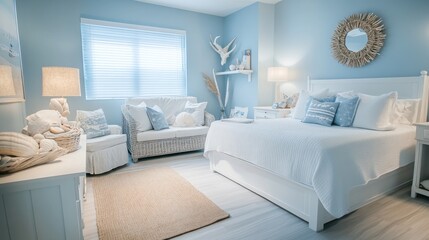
184,119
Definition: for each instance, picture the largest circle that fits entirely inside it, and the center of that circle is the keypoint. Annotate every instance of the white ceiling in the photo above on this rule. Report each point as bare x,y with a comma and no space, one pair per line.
213,7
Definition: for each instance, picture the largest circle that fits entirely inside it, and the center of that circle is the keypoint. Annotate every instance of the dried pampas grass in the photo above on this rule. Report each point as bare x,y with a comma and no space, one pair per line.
210,84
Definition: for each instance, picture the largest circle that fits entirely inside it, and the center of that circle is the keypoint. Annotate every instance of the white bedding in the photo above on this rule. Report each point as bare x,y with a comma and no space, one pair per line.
331,160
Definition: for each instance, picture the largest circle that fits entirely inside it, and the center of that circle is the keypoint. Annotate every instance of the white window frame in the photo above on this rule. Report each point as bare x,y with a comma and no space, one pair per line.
137,27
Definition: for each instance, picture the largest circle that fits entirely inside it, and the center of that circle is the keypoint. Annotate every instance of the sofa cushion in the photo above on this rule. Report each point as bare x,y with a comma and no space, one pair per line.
172,132
157,118
139,114
156,135
197,111
171,106
191,131
184,119
100,143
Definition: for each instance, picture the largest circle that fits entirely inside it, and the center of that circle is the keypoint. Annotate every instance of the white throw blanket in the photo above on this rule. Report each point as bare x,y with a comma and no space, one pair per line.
332,160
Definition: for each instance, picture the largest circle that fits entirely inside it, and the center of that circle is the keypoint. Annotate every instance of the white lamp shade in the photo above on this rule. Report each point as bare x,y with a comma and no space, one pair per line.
6,81
277,74
60,81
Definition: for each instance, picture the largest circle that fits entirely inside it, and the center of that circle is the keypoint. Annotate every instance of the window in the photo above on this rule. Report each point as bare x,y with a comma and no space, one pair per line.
125,60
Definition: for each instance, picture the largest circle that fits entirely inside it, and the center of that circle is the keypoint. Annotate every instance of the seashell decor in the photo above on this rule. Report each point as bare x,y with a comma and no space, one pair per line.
19,151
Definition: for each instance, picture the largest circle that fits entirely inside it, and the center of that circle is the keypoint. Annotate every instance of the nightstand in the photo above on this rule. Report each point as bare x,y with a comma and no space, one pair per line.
269,112
421,163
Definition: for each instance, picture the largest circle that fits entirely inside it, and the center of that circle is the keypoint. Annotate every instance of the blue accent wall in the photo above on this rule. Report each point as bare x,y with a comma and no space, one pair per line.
300,32
303,31
265,53
50,36
254,27
243,24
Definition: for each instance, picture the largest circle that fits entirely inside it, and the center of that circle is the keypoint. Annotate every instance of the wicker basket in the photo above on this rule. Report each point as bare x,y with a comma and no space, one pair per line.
68,140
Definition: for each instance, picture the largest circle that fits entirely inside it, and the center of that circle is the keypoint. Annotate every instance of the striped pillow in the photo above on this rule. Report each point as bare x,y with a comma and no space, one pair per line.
322,113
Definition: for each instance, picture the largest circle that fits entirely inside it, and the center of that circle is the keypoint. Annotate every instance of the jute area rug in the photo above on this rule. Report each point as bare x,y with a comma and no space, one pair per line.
155,203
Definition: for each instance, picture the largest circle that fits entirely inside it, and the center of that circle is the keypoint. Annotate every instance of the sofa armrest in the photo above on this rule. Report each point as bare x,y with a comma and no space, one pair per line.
115,129
128,125
208,119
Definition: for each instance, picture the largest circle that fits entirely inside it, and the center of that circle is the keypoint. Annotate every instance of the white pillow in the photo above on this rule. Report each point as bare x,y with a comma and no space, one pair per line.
406,111
184,119
197,111
348,94
301,104
374,112
139,114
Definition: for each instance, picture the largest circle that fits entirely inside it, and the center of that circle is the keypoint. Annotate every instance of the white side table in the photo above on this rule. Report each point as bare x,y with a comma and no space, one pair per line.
421,163
270,113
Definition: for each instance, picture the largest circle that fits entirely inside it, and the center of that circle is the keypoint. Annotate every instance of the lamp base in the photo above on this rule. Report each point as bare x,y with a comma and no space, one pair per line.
278,94
61,105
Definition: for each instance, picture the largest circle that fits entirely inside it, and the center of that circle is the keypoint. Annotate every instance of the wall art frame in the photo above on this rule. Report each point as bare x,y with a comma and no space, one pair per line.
10,50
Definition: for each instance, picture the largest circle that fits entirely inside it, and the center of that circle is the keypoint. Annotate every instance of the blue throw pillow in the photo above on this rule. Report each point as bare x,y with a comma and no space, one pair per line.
346,111
322,113
157,118
325,99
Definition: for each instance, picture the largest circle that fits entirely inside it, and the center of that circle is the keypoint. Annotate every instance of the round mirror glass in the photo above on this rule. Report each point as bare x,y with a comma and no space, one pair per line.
356,40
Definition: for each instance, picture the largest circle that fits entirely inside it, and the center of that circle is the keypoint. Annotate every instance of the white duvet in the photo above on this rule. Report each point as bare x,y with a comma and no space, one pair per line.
332,160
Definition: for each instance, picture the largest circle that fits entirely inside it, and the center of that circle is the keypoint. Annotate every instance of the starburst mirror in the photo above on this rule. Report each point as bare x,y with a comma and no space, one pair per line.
358,39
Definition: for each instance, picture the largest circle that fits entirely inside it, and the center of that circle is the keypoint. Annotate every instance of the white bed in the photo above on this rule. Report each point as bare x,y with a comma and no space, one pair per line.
315,172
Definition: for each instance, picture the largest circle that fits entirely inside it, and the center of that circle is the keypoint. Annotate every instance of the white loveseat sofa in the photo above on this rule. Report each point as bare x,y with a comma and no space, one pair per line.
150,143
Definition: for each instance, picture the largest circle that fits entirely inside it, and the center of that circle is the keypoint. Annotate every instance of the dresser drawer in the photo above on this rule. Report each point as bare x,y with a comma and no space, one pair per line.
265,114
268,112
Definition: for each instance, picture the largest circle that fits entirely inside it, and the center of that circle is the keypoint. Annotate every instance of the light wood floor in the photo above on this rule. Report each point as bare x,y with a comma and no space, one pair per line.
396,216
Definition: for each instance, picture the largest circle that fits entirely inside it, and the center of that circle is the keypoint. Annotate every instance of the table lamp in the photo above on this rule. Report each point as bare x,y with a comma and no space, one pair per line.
6,81
60,82
277,75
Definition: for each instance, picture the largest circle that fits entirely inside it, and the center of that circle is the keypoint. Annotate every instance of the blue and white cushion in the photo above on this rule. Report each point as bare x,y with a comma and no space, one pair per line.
322,113
301,105
157,118
346,111
93,123
322,99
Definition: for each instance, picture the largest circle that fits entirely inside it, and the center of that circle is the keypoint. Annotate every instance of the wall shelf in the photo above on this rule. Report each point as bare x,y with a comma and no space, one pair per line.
245,72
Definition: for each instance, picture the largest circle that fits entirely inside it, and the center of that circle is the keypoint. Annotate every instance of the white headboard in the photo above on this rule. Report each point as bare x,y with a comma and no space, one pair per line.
407,87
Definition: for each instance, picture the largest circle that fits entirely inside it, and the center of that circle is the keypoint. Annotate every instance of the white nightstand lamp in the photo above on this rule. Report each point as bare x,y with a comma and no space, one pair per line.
60,82
277,75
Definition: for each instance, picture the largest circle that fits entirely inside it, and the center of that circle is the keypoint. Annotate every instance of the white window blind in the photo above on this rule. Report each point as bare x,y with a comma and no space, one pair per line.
125,60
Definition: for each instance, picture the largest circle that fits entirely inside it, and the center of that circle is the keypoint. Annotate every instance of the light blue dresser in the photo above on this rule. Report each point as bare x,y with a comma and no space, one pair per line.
44,202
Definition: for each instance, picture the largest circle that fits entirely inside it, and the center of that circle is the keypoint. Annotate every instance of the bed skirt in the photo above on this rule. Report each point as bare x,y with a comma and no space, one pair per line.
299,199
